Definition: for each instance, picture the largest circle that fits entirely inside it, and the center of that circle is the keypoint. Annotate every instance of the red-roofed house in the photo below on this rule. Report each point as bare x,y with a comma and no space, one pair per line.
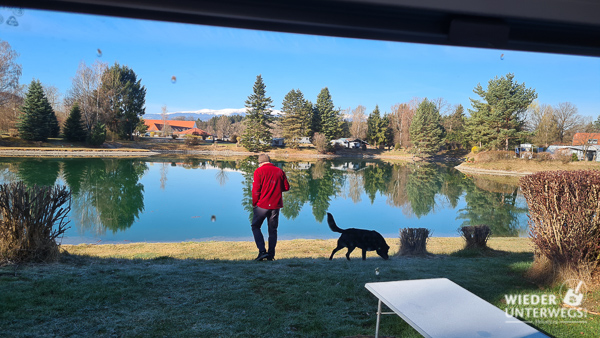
177,127
580,139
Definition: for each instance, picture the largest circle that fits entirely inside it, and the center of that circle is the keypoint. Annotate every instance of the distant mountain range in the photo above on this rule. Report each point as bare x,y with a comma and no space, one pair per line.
203,114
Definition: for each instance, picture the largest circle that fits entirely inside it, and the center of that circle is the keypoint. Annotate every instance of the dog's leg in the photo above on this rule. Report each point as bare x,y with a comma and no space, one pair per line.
350,249
364,254
338,248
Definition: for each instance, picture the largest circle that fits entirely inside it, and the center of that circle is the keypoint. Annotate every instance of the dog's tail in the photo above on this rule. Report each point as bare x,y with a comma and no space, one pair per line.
332,224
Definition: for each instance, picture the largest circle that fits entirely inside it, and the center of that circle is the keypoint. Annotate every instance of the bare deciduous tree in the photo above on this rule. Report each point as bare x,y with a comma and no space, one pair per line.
567,120
358,129
443,106
166,129
541,120
85,89
400,119
223,127
54,98
11,93
10,72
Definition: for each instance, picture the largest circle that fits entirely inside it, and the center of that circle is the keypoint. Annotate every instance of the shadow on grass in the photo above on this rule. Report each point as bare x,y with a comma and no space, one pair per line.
304,297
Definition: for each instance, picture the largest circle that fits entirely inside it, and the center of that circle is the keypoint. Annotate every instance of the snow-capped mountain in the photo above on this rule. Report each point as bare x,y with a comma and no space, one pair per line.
203,114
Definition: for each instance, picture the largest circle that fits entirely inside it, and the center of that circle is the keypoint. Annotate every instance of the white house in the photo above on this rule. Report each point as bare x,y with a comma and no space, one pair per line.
349,142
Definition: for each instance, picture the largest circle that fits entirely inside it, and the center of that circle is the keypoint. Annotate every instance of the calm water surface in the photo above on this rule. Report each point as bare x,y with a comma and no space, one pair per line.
193,199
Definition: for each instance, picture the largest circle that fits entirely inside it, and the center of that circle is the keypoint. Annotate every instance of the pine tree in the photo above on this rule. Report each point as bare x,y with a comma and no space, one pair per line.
426,132
376,128
123,98
37,121
315,119
331,122
296,117
74,130
257,136
455,128
500,117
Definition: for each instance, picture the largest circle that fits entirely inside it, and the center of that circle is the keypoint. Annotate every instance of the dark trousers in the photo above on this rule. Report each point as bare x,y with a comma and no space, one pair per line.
272,216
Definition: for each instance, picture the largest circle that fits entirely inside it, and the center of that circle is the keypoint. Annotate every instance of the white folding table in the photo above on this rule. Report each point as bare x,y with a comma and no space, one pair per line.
441,308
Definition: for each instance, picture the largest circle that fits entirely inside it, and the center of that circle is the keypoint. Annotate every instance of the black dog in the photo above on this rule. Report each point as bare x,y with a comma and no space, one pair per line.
367,240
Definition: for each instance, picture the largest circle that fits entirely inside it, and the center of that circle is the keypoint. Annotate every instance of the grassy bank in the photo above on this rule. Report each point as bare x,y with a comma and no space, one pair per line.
214,289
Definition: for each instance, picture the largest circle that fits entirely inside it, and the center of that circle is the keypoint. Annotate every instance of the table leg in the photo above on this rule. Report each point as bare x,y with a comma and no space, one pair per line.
378,315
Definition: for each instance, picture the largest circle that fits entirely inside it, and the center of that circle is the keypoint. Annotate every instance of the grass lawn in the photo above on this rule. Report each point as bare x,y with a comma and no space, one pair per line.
212,289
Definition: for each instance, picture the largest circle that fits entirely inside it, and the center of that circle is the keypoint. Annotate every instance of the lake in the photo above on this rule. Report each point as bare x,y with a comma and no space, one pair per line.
177,199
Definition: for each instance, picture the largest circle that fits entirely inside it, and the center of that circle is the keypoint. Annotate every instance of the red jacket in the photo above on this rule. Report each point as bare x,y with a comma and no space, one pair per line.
269,183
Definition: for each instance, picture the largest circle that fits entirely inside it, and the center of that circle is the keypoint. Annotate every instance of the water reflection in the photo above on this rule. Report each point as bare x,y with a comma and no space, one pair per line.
185,194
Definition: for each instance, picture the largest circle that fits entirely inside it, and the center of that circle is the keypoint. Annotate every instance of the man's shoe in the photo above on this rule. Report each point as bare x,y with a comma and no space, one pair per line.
262,255
270,258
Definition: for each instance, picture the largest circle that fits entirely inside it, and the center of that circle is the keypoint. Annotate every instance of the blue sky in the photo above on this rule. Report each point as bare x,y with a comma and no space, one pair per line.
217,67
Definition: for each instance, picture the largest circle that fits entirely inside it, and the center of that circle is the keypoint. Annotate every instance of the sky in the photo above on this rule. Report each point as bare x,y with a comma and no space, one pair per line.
215,67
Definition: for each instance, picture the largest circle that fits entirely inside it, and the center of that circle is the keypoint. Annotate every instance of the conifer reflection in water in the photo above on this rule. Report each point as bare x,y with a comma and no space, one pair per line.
112,194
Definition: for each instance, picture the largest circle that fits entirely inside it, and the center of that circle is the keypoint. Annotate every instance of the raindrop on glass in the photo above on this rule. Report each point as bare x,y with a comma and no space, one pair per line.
12,21
18,11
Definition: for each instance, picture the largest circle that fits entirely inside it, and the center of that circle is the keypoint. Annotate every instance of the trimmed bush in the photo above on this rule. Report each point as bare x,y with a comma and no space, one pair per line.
413,241
192,140
33,218
476,236
564,221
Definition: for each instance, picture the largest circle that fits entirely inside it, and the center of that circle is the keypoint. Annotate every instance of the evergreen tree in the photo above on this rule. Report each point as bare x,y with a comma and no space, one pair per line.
296,117
74,130
123,98
454,124
98,135
37,121
376,128
499,118
388,132
426,132
331,121
315,120
310,111
257,137
53,127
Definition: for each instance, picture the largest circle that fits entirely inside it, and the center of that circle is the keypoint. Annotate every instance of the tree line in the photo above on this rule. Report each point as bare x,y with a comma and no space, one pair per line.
105,99
503,114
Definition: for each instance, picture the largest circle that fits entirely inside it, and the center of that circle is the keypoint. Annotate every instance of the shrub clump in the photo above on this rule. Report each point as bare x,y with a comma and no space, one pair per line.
321,144
543,157
192,140
476,236
413,241
564,221
32,219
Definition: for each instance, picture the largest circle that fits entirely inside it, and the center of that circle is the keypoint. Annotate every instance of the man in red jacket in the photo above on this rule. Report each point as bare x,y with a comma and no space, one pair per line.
269,182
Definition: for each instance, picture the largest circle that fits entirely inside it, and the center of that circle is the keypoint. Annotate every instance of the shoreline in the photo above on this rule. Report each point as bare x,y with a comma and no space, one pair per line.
480,171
